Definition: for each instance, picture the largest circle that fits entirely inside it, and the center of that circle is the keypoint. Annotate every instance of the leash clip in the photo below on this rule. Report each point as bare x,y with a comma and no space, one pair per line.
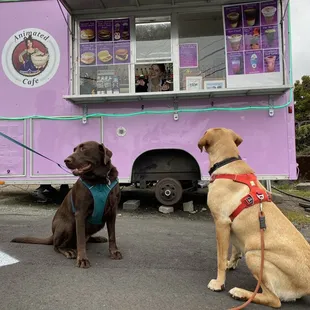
260,197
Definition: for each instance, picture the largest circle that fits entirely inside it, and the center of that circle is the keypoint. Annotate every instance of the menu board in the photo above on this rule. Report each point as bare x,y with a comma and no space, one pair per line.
252,39
188,53
104,42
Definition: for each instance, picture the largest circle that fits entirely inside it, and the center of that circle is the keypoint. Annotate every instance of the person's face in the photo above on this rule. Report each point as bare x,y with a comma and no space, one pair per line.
29,44
155,72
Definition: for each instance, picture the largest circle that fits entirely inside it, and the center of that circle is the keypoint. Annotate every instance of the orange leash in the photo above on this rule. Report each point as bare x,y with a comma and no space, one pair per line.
262,224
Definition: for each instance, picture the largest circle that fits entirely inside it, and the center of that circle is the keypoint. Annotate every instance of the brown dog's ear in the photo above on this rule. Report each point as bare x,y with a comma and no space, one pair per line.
237,139
108,152
105,157
204,141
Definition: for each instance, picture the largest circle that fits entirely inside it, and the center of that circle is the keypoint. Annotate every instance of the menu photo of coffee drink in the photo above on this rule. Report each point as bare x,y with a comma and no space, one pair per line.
252,38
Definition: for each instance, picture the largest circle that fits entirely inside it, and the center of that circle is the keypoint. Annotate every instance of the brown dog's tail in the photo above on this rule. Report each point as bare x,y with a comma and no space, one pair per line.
33,240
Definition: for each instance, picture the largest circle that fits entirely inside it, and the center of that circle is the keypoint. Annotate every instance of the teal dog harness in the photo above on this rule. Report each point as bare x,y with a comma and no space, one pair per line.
100,193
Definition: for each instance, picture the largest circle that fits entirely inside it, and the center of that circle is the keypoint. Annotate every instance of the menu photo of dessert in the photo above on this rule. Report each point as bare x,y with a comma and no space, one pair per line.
235,63
121,29
269,14
270,36
252,38
251,15
234,40
271,60
104,53
104,30
254,62
88,31
233,17
87,54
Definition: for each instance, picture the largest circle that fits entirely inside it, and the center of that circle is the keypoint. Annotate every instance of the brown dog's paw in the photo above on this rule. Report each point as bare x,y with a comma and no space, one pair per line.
115,254
97,239
216,286
82,262
70,254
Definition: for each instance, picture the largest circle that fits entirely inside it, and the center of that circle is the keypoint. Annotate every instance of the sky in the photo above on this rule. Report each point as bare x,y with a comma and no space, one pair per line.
300,38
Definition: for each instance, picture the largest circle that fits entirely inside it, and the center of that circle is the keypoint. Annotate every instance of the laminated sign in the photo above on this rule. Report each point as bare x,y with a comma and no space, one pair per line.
253,43
30,57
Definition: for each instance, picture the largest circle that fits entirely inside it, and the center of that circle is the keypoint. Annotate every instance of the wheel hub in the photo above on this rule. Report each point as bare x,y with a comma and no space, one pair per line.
168,191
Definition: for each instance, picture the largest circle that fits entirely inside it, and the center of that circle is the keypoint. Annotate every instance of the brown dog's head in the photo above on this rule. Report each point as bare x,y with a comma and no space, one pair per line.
90,159
215,135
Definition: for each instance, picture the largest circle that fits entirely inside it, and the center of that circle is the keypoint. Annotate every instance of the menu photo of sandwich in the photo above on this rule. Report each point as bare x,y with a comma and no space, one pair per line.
88,58
105,56
104,35
87,34
121,54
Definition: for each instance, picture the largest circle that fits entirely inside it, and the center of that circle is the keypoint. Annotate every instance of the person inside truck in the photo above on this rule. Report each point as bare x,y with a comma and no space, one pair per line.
157,81
142,84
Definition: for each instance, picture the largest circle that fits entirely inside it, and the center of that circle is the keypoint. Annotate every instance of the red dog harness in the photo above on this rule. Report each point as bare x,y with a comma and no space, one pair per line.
257,195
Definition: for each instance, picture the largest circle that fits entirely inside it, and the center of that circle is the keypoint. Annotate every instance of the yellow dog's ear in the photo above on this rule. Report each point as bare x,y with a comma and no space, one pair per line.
237,139
204,141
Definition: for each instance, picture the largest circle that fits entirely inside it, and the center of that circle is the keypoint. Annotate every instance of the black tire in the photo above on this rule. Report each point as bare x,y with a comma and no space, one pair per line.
168,191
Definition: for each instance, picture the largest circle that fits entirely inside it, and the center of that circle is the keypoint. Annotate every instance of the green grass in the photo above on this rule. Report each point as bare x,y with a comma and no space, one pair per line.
291,189
296,217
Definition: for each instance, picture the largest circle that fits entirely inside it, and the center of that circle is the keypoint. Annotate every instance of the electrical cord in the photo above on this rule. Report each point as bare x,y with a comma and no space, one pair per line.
291,195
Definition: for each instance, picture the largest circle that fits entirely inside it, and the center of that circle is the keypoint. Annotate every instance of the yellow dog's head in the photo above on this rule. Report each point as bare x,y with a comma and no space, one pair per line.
214,135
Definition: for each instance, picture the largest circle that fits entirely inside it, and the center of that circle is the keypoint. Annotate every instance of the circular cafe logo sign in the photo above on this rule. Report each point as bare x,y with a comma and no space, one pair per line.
30,57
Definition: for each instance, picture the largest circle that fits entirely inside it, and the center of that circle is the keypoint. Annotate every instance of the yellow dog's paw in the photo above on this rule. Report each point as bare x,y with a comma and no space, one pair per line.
238,294
216,286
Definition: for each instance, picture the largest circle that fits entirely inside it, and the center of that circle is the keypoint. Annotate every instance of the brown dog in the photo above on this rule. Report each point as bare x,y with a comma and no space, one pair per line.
80,215
286,275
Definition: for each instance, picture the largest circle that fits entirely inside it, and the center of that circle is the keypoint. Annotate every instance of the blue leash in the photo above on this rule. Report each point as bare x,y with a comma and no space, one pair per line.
33,151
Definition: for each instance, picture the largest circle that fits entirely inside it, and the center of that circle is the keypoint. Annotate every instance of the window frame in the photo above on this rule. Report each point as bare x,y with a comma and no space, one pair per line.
74,52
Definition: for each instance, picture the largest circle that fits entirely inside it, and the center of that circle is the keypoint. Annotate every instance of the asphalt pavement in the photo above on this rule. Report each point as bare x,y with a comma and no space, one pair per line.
167,263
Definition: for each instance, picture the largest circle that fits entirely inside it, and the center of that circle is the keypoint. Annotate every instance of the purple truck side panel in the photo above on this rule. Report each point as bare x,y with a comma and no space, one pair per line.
265,145
269,142
12,155
47,99
51,142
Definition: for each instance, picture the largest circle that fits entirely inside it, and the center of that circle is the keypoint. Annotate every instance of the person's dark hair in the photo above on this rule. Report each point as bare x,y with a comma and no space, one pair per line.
29,38
161,67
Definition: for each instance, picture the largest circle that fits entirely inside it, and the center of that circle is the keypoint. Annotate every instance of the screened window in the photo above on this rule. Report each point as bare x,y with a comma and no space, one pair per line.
201,51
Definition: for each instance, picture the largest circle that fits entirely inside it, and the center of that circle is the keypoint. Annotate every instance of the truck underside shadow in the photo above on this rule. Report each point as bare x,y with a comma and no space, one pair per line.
170,170
155,165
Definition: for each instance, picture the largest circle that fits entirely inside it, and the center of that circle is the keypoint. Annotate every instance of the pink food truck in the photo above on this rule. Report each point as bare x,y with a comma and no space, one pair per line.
147,78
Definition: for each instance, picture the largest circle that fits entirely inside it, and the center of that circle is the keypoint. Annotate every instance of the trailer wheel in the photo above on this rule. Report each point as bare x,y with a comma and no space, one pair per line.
168,191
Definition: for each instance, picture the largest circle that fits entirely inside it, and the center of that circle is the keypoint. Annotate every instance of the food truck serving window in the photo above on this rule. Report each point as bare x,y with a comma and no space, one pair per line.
236,46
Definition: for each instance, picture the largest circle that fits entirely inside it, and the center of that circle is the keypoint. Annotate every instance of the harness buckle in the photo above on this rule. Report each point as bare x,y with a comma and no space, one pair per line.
260,196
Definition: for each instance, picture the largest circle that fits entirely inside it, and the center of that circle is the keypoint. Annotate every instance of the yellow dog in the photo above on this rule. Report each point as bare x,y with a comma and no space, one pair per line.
286,275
